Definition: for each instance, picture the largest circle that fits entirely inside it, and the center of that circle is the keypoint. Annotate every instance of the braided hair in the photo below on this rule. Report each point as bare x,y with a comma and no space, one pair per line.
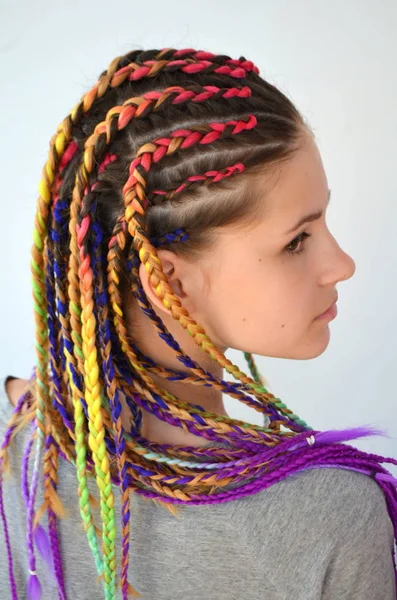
159,152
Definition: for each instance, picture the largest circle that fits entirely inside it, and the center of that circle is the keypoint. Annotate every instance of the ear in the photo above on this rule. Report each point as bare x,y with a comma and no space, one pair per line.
172,267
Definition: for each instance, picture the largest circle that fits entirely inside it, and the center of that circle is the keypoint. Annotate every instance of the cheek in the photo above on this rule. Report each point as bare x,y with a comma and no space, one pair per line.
245,311
265,309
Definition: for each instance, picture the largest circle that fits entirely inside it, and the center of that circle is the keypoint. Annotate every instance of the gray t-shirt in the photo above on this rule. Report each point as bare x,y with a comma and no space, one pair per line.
319,534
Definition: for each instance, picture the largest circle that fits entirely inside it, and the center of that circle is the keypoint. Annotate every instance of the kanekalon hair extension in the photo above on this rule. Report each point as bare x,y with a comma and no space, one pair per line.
158,153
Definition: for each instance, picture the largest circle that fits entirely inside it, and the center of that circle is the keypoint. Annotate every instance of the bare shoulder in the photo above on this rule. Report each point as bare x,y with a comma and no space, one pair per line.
15,388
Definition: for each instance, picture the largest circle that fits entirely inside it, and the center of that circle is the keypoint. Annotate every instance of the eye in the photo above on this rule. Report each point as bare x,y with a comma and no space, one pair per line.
299,239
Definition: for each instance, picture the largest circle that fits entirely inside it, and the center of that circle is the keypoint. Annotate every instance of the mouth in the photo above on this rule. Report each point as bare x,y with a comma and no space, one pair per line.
331,311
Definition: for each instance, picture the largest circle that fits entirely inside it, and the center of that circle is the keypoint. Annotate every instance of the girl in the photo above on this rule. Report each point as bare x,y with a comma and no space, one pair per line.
181,213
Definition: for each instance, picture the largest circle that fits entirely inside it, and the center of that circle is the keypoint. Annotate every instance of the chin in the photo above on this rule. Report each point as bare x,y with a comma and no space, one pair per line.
311,348
318,346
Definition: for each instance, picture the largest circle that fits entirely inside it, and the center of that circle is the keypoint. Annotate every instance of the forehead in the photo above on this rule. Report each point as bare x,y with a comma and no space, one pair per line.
296,186
291,190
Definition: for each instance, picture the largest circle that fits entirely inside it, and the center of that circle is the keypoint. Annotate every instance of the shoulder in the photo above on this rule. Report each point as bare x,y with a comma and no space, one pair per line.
344,498
312,509
322,524
11,388
324,488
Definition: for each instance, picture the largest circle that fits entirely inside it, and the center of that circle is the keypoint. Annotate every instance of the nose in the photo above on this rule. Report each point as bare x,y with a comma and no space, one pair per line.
349,266
340,267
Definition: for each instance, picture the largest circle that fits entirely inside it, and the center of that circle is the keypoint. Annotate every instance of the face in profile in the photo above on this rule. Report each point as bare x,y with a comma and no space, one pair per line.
267,285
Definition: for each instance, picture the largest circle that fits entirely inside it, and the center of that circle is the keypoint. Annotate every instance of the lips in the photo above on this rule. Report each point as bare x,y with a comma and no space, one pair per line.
330,306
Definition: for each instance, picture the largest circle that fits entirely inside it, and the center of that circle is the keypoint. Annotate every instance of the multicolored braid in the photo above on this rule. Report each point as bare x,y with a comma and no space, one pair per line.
86,357
77,429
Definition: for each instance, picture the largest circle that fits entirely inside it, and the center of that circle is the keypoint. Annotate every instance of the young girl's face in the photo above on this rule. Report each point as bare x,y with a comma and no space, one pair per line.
266,286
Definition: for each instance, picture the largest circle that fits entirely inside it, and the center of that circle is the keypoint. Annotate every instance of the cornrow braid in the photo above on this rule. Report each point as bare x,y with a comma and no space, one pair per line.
159,152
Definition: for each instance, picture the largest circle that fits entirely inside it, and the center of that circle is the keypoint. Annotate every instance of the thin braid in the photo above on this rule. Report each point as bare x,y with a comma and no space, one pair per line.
54,509
93,400
50,466
71,353
42,382
207,178
41,539
51,499
34,586
79,375
112,388
55,340
81,472
3,455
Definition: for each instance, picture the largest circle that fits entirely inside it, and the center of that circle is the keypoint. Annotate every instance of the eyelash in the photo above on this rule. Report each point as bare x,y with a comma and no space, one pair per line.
301,237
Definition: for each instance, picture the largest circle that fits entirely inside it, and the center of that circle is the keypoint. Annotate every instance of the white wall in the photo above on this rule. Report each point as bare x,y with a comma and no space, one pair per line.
336,60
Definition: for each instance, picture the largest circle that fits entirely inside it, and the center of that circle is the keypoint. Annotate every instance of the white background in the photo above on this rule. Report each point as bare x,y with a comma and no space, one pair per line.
335,60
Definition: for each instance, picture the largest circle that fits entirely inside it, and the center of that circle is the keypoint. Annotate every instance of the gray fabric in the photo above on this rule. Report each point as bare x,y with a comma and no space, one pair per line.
320,534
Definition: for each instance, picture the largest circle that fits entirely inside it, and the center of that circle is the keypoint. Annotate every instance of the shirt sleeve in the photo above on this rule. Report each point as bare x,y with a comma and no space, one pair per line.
362,568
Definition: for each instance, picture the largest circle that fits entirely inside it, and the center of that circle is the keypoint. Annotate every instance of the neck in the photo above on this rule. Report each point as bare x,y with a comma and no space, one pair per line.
147,340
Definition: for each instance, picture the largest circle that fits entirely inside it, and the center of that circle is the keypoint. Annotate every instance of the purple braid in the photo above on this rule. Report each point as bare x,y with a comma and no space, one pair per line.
54,538
7,439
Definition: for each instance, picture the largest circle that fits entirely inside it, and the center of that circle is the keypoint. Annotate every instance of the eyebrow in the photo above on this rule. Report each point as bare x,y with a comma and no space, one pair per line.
309,218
